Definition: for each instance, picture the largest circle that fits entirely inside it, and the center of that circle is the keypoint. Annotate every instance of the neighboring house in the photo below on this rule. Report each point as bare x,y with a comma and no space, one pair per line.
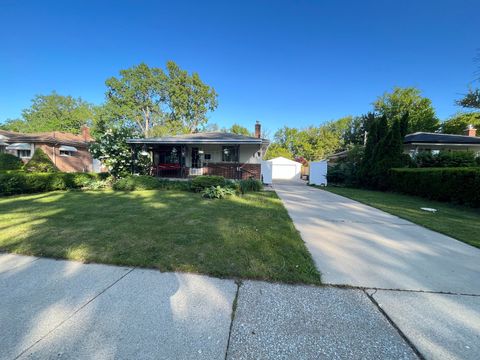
432,142
422,141
212,153
67,151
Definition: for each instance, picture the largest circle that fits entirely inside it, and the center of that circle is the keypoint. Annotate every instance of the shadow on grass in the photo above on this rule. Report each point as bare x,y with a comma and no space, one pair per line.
241,237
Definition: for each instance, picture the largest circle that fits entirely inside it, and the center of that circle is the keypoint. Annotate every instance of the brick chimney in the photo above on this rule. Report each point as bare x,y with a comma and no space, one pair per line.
258,130
85,133
470,131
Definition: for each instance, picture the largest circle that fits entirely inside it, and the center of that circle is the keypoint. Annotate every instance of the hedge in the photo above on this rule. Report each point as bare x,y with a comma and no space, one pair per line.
144,182
459,185
22,183
40,163
10,162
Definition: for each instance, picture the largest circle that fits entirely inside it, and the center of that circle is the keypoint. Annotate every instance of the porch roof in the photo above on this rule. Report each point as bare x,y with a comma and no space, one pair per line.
201,138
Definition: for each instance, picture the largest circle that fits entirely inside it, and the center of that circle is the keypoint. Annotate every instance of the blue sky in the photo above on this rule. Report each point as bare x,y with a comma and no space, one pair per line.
291,63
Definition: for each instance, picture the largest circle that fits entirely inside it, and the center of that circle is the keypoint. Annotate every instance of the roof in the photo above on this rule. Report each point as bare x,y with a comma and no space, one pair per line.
434,138
201,138
283,160
54,137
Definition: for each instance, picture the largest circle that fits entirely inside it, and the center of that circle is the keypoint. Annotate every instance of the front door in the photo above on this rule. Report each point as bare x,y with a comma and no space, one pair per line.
195,158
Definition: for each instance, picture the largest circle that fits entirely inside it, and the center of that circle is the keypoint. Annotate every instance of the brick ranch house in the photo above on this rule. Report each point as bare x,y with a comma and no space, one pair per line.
67,151
212,153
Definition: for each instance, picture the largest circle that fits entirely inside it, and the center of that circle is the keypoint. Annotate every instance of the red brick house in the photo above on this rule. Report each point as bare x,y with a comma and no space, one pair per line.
212,153
67,151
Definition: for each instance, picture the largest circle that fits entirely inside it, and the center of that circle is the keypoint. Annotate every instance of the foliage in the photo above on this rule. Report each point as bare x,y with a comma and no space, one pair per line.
217,192
346,171
20,183
459,185
408,100
458,123
276,150
383,150
445,159
159,102
144,182
471,99
53,112
10,162
114,152
200,183
239,129
250,185
40,162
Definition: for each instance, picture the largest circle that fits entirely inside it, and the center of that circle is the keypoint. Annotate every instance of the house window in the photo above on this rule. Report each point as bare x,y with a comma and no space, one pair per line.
66,153
24,153
208,156
230,154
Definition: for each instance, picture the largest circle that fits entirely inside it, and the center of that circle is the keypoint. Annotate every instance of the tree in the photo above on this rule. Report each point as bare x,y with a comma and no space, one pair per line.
457,124
276,150
53,112
470,100
402,100
146,97
40,162
188,99
240,130
112,149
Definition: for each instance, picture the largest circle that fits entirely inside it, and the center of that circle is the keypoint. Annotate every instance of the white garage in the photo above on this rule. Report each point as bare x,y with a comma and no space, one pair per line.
280,168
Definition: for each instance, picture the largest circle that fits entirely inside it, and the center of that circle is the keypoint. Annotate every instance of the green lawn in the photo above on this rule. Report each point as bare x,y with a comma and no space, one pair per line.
240,237
459,222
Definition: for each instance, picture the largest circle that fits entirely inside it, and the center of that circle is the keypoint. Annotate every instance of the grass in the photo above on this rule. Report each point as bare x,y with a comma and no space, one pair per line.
248,237
459,222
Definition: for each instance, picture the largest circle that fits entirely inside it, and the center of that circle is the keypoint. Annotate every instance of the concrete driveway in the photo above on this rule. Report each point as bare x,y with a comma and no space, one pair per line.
437,279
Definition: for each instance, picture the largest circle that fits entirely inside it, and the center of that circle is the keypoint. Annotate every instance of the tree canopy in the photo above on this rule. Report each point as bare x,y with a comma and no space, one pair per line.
53,112
458,123
395,104
239,129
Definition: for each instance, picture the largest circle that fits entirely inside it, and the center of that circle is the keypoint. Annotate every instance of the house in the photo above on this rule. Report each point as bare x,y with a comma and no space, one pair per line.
211,153
433,142
67,151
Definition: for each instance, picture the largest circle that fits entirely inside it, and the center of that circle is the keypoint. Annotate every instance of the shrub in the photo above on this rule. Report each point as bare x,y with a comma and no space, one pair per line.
144,182
40,162
10,162
250,185
20,183
205,181
217,192
445,159
459,185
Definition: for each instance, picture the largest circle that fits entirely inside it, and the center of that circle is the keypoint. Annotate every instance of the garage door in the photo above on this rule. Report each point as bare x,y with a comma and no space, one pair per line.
284,171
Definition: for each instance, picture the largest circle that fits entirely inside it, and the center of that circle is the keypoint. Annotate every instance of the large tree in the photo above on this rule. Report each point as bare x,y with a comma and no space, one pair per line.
53,112
470,100
395,104
239,129
156,102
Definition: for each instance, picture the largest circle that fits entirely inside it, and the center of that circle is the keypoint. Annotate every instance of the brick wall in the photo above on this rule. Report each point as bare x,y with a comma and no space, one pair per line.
80,161
230,171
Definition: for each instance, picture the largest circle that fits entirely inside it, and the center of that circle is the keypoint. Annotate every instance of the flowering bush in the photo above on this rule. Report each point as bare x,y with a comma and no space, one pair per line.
114,152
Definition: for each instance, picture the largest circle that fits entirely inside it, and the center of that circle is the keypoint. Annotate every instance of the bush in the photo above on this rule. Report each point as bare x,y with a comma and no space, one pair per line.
445,159
459,185
10,162
20,182
144,182
250,185
217,192
40,162
205,181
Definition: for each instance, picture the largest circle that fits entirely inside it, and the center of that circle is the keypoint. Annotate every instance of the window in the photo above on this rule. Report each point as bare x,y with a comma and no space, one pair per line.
208,156
230,154
66,153
24,153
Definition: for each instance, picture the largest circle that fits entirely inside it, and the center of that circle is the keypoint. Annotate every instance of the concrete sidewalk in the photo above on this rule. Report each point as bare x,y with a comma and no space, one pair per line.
357,245
68,310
